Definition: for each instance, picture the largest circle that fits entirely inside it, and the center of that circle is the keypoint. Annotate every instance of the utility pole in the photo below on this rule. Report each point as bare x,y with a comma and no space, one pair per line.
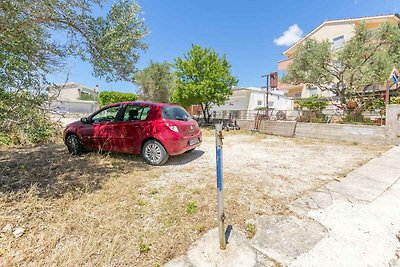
266,98
271,82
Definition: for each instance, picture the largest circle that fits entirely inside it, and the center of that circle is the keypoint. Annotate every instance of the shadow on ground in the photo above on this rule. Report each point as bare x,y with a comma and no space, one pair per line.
185,158
54,172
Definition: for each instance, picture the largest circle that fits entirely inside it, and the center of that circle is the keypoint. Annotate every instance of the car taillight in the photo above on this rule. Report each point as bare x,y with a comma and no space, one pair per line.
173,128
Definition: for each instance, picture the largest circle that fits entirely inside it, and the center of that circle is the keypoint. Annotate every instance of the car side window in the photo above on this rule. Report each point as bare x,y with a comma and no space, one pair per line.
136,113
107,115
174,113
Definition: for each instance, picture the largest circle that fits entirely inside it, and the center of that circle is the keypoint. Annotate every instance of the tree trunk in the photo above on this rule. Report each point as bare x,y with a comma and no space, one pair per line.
204,111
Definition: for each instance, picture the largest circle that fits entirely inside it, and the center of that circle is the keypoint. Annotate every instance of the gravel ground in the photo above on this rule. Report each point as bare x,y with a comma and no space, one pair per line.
111,209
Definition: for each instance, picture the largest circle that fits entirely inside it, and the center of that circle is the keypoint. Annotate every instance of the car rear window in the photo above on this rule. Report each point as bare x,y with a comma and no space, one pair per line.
174,113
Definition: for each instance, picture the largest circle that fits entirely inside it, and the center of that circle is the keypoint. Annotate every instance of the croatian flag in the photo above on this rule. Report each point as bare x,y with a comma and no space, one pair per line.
394,75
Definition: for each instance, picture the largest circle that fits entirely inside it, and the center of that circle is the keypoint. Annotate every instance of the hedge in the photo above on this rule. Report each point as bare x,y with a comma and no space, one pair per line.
113,97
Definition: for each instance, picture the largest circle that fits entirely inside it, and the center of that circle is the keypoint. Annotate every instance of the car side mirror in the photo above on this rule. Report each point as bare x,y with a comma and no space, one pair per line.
85,120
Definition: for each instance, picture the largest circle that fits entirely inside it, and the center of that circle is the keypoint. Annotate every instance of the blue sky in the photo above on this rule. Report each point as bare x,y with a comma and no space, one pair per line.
242,30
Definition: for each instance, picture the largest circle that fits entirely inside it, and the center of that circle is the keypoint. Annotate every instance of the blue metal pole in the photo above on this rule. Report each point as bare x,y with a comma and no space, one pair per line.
221,215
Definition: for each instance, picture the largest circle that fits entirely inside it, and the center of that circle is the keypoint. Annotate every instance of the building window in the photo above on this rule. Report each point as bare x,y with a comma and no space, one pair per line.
338,42
297,95
313,91
259,102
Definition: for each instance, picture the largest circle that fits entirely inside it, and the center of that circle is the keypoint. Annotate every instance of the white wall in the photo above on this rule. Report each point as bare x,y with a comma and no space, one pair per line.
307,93
249,99
330,31
239,100
277,100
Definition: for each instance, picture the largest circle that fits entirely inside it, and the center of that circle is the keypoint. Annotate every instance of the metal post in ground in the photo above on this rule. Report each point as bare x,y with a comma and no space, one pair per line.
387,94
221,215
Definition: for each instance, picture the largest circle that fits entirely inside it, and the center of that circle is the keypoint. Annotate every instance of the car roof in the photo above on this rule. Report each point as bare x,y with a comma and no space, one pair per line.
141,103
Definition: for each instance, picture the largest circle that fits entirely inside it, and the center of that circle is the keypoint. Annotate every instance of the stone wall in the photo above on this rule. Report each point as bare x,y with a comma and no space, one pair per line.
282,128
343,132
393,123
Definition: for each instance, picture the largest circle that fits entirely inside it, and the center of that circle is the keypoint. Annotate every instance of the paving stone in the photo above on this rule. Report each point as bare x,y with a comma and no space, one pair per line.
182,261
283,238
206,252
359,186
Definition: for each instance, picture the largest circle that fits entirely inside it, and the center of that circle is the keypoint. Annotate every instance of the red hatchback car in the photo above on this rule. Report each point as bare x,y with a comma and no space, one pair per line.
154,130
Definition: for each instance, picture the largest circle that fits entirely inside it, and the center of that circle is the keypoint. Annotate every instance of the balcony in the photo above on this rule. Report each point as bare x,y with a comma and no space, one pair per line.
284,64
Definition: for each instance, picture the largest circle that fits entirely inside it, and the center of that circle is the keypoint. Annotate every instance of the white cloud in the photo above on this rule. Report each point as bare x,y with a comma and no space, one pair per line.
290,37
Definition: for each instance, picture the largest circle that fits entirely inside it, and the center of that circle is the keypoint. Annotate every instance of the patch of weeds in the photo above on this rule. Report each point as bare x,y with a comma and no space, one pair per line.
143,247
191,207
5,139
200,228
251,229
355,143
170,222
141,202
154,191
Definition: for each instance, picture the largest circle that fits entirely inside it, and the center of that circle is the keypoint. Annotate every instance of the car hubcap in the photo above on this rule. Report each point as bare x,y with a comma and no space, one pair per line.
153,153
72,142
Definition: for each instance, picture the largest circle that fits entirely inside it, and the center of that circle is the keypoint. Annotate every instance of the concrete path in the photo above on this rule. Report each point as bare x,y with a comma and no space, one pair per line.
351,222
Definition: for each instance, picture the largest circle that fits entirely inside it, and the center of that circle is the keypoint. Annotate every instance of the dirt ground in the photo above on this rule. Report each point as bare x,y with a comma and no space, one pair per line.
115,210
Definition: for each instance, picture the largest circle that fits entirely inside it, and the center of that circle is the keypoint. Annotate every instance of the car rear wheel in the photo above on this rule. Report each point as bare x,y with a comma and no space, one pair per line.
154,153
74,145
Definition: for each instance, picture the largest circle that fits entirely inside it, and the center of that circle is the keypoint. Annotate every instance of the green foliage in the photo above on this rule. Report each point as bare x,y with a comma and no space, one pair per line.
251,229
313,103
379,103
355,117
22,120
314,106
107,98
191,207
203,78
143,248
156,82
111,43
5,139
89,97
365,59
29,52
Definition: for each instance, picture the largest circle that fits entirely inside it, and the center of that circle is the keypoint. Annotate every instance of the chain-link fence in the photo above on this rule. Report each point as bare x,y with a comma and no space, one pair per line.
370,117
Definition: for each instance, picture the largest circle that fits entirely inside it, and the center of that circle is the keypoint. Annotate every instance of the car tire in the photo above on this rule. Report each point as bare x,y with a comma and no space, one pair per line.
154,153
74,145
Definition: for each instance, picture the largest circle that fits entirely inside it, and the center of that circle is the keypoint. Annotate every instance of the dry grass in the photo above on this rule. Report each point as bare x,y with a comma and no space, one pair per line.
114,210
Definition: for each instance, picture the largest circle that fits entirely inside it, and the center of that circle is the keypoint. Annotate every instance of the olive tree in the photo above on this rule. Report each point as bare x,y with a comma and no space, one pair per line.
366,59
36,38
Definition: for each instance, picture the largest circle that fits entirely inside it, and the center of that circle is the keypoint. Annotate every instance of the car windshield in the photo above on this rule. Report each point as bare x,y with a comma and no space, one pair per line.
174,113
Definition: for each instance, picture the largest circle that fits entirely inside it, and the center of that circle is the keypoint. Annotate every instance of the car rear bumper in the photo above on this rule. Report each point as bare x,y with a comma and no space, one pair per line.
180,144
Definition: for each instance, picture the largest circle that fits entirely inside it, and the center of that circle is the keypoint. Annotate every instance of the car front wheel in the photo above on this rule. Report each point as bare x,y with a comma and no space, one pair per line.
74,145
154,153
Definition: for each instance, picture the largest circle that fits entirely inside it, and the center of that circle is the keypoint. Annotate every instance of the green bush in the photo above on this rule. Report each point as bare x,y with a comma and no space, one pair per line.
107,98
89,97
313,103
23,119
355,117
5,139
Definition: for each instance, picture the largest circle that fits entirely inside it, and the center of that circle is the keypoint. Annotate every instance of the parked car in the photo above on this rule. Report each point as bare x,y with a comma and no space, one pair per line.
154,130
